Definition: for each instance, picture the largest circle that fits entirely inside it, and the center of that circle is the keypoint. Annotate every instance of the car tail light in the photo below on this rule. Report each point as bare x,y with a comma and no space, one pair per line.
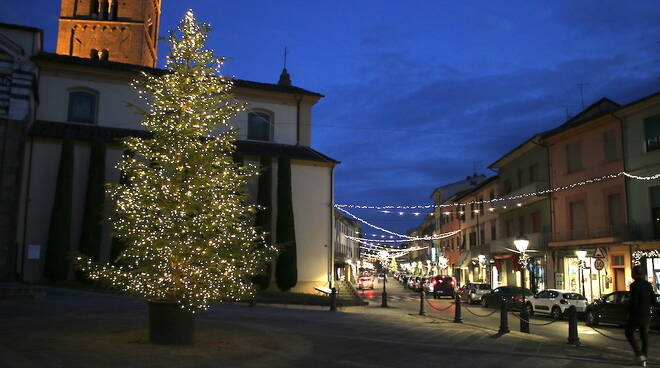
453,283
516,297
434,282
563,301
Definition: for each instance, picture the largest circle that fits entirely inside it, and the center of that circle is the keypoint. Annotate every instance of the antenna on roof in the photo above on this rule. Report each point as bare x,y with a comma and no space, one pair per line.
566,109
581,87
285,53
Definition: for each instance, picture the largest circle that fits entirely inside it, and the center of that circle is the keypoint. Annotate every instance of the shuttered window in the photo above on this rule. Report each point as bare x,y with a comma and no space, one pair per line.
652,133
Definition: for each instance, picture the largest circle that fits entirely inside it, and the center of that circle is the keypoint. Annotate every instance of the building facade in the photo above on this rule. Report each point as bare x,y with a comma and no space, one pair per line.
521,171
640,122
346,250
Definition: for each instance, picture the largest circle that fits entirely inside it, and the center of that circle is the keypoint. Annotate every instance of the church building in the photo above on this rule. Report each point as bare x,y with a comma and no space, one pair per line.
81,94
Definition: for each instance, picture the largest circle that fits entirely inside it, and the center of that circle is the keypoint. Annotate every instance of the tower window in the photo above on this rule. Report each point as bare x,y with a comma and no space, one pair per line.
259,126
104,9
82,107
104,55
114,4
94,8
94,54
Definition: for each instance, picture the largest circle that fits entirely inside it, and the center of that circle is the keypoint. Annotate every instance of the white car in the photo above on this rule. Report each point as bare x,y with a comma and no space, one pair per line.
555,303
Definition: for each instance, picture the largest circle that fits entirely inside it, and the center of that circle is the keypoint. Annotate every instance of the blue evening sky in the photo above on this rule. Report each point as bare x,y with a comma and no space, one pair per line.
419,92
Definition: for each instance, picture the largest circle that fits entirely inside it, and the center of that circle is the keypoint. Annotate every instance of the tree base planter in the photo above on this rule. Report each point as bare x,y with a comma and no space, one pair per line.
171,325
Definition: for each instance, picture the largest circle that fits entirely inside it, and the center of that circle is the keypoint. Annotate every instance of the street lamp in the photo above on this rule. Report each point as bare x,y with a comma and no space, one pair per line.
521,244
383,258
582,256
482,265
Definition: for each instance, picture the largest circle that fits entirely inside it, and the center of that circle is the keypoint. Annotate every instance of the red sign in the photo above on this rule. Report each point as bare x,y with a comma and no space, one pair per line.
599,264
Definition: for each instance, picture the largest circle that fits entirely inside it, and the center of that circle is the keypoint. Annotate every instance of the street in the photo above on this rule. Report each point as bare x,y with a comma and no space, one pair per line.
407,301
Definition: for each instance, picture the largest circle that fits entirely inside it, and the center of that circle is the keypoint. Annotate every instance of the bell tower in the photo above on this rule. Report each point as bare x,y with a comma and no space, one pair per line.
124,31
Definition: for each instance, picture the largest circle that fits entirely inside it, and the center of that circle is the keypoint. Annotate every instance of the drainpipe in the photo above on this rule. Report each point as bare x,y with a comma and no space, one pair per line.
26,210
552,216
622,128
331,263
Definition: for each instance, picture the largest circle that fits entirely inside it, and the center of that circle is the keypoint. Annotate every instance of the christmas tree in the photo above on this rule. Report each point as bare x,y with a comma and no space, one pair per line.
393,267
182,212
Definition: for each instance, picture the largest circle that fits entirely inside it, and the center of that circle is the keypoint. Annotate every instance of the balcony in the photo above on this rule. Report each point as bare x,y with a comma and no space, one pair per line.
520,196
608,234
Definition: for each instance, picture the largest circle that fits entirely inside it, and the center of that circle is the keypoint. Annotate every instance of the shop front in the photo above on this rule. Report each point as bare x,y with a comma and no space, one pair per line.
649,259
581,270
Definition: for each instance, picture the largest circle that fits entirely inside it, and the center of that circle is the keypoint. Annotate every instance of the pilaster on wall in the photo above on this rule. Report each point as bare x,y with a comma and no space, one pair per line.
17,77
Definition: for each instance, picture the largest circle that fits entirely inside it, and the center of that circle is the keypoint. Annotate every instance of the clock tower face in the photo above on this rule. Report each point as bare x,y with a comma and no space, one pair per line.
124,31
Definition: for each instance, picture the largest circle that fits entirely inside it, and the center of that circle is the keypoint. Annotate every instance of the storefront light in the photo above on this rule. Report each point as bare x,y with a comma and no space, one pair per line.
581,254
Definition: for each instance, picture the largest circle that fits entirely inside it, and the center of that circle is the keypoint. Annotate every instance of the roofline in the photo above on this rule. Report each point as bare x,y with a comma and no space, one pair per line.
21,27
562,128
240,83
633,103
479,186
537,135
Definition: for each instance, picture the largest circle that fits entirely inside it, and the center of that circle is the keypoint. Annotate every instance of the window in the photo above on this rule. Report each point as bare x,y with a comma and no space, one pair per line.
481,204
114,5
521,225
493,231
482,234
534,173
259,126
578,220
611,150
617,260
94,8
473,239
507,186
615,210
104,55
652,133
536,222
574,157
491,195
520,179
509,228
104,9
655,210
82,107
94,54
471,210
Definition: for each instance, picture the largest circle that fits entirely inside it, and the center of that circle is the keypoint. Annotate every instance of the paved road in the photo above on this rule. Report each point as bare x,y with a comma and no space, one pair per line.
408,300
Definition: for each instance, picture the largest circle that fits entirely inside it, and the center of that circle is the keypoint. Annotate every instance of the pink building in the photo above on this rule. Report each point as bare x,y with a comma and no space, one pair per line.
594,215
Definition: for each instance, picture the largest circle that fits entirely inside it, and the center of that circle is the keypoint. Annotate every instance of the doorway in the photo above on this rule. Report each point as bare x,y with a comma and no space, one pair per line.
619,279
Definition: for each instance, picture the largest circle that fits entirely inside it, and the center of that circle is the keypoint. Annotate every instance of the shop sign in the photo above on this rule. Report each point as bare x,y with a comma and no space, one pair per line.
599,264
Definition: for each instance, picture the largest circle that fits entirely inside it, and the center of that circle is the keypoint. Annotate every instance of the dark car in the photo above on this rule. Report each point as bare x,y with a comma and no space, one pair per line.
443,286
511,294
613,309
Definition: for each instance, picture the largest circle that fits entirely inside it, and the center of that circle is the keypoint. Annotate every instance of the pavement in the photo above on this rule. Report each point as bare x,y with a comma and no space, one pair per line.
106,330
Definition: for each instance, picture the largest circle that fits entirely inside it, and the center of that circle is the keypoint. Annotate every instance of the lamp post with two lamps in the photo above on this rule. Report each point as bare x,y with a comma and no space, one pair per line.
521,244
582,257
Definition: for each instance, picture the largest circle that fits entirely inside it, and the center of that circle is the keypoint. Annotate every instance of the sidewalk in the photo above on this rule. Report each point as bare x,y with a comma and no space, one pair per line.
96,331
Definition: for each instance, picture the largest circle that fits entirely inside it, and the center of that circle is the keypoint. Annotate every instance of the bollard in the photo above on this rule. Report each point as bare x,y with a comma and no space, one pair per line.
422,299
457,310
333,300
524,319
573,338
504,318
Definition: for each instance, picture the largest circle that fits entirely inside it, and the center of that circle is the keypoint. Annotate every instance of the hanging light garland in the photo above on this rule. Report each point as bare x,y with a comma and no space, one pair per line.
388,208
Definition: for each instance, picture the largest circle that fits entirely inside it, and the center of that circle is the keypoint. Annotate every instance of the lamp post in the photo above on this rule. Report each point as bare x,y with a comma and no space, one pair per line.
383,259
521,244
582,256
482,265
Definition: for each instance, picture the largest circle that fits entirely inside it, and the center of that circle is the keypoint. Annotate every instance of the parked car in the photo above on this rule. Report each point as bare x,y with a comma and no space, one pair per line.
613,309
444,286
555,303
473,292
365,282
511,294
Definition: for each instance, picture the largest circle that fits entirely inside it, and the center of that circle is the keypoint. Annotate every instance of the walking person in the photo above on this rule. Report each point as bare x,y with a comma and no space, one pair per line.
642,298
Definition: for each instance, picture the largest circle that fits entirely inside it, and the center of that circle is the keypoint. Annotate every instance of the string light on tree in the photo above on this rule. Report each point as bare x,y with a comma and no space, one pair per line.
182,212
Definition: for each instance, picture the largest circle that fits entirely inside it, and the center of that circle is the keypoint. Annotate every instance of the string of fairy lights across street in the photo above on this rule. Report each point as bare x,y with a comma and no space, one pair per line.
395,209
369,244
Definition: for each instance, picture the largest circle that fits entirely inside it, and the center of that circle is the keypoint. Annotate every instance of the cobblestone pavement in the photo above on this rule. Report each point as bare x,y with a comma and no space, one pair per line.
95,330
